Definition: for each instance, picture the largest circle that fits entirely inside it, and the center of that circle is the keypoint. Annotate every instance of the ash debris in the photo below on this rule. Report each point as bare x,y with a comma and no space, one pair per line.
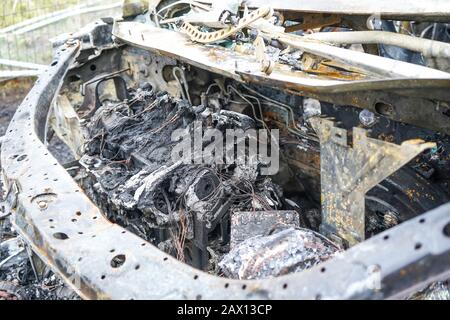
272,243
20,276
286,251
435,291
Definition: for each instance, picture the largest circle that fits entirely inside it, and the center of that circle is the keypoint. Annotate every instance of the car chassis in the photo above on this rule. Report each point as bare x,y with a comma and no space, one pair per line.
44,199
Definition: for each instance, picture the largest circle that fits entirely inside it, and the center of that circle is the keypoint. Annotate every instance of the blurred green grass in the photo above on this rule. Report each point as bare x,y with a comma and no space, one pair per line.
15,11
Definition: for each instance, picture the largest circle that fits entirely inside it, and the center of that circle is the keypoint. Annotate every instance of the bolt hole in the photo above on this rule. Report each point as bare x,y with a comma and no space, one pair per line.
195,277
244,287
74,78
60,236
384,109
446,230
422,220
103,277
118,261
137,267
323,270
78,213
418,246
285,286
227,285
386,237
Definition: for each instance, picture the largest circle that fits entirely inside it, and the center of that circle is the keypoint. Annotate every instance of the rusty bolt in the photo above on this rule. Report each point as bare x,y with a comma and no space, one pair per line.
71,42
390,219
42,204
367,118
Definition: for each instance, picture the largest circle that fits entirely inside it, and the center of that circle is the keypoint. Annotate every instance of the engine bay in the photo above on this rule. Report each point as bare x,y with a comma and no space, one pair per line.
241,150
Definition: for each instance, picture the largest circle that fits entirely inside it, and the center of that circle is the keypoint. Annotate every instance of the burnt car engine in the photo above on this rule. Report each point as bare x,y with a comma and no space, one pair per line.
131,173
266,147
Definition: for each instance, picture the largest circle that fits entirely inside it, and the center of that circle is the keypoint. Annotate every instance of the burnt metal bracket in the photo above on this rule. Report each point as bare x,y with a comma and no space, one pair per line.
348,172
90,89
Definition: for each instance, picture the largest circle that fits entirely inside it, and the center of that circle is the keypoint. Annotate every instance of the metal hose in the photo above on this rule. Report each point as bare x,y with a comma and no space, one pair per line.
429,48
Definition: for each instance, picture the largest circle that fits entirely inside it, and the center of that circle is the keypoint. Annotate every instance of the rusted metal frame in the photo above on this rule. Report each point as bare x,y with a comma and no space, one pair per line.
419,111
220,60
348,172
47,203
416,10
405,105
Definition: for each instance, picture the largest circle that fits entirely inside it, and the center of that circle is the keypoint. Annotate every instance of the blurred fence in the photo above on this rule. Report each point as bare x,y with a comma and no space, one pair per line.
26,26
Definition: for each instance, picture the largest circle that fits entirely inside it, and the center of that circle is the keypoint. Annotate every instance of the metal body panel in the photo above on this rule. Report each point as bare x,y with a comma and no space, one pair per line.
347,173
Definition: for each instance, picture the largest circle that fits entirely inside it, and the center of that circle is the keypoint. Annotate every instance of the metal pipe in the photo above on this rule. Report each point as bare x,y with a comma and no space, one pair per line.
19,74
21,64
376,65
429,48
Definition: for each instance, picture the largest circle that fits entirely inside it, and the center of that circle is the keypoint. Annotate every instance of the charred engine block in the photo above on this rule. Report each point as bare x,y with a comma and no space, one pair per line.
179,206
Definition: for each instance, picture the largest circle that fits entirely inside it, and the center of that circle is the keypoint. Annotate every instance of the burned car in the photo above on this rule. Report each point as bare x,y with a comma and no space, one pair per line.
241,150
